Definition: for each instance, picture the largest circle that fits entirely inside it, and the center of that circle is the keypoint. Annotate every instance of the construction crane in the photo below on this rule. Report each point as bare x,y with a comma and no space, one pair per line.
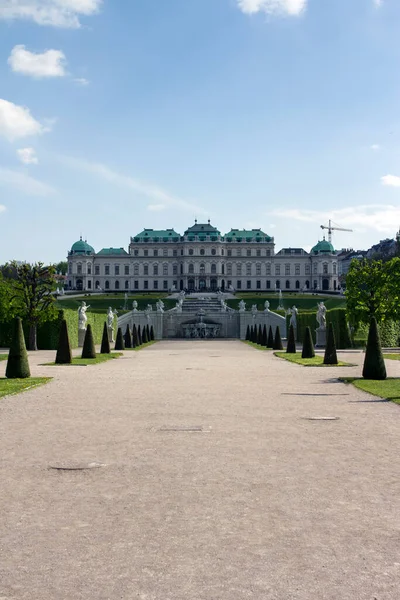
330,229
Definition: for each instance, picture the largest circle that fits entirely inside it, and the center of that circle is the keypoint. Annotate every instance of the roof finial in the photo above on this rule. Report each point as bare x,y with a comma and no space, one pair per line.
195,221
209,221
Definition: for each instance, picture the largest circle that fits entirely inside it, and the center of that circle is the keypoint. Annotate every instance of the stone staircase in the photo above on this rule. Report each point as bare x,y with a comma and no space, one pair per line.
193,306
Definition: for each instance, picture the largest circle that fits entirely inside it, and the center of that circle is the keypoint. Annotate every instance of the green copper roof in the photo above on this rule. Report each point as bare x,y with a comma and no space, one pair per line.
113,251
247,235
82,247
323,247
202,229
157,233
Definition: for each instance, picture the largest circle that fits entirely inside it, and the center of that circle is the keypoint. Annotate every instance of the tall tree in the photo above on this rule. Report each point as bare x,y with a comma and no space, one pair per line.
373,290
31,292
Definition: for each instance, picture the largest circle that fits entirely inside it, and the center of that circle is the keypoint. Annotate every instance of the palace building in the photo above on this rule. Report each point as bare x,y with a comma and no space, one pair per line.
202,259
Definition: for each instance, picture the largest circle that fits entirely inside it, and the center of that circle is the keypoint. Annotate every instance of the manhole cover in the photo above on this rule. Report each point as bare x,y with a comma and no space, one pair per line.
76,466
188,428
321,418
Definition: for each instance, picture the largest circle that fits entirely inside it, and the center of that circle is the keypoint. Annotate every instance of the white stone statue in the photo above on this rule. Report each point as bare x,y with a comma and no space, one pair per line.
110,318
266,306
134,306
242,306
293,319
224,306
62,292
254,309
181,294
82,318
179,305
321,315
160,306
149,308
58,291
280,304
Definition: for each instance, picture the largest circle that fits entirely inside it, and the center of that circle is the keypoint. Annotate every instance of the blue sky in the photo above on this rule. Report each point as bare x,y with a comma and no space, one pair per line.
124,114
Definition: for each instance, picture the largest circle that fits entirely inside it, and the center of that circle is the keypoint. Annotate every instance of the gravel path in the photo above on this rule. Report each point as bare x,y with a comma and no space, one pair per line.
257,501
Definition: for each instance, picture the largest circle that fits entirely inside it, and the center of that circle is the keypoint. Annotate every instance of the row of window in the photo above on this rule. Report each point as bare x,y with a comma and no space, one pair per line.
202,269
203,252
191,284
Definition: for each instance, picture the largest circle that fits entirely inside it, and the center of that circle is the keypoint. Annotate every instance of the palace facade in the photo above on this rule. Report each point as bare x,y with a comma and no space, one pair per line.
202,259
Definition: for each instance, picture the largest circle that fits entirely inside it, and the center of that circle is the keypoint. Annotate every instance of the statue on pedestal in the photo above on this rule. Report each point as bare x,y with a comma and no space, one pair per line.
110,323
266,306
254,310
82,318
242,306
134,306
293,318
160,306
321,315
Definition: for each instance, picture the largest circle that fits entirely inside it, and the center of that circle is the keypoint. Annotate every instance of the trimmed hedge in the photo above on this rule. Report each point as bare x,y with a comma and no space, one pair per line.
49,332
336,316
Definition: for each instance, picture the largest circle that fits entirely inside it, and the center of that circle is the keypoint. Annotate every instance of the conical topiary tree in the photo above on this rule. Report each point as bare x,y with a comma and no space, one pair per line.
105,342
291,343
308,345
139,333
264,336
17,363
251,333
64,354
152,333
119,342
255,334
248,333
128,337
148,332
277,340
270,339
330,357
89,350
259,336
374,364
144,335
135,341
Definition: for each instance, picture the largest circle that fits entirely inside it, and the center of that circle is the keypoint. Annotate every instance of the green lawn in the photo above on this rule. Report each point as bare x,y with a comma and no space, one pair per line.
257,346
84,362
392,356
138,348
99,303
8,387
317,361
3,356
389,389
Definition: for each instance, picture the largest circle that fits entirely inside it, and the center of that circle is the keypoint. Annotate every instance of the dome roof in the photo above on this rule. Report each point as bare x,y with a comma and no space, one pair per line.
82,247
323,247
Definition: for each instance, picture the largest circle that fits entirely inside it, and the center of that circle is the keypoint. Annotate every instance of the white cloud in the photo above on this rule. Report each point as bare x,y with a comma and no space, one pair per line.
391,180
379,217
2,208
292,8
28,156
24,183
51,63
17,122
156,207
375,147
56,13
378,3
81,81
148,190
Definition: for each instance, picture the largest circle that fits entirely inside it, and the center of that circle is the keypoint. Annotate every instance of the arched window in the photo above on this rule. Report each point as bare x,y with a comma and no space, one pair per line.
107,285
79,268
165,269
213,252
97,285
287,284
278,284
117,285
297,285
127,285
202,252
213,269
325,268
89,284
191,252
191,269
202,269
